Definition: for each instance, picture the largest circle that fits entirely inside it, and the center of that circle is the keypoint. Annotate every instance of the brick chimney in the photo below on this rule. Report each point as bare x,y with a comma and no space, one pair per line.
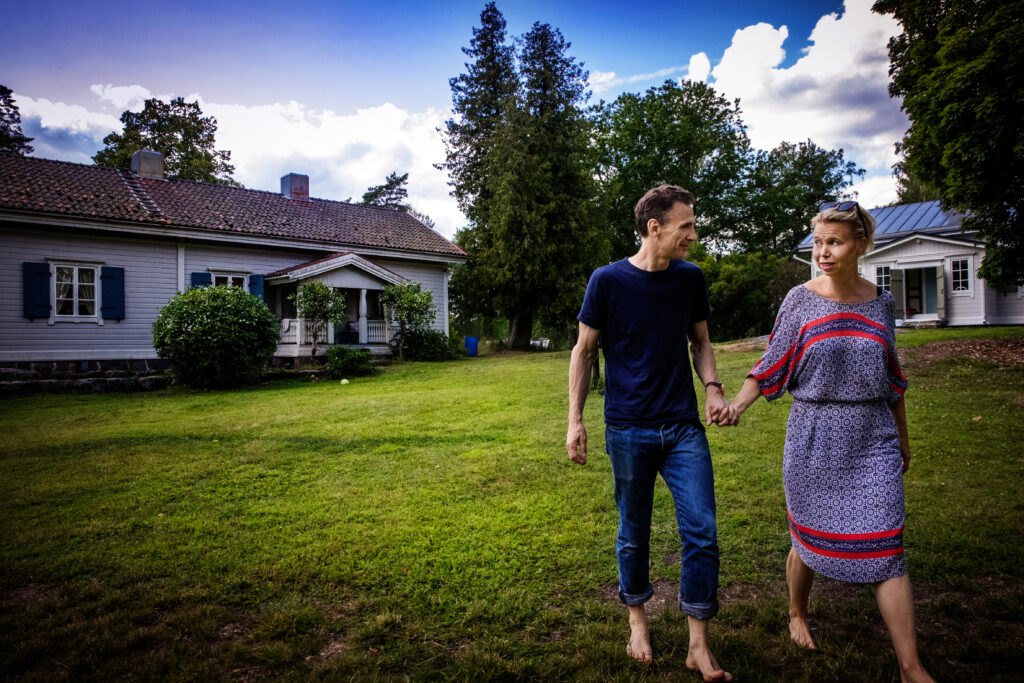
148,164
295,186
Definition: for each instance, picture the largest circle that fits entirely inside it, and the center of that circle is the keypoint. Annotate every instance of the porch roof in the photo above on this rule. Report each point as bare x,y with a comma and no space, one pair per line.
303,271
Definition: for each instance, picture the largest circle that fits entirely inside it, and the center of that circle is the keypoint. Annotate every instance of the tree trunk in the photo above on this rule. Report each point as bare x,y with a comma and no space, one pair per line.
595,379
520,329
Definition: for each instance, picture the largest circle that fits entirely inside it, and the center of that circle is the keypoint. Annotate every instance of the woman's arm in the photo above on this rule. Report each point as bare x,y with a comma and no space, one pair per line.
899,414
748,393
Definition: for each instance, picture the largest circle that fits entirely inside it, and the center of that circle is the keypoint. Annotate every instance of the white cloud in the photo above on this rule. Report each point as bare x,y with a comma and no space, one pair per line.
606,79
699,68
343,154
836,94
875,190
122,96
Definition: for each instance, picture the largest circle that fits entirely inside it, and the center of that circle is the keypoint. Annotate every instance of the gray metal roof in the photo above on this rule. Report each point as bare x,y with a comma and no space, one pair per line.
894,222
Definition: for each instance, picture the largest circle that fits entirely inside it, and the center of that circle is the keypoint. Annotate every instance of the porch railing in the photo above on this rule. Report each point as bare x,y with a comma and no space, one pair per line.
376,332
294,331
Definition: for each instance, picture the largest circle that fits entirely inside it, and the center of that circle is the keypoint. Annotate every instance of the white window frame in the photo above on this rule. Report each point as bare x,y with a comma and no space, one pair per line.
214,274
970,276
96,318
883,273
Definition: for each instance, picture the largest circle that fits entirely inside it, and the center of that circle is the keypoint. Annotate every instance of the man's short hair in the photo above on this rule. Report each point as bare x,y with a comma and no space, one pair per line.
657,202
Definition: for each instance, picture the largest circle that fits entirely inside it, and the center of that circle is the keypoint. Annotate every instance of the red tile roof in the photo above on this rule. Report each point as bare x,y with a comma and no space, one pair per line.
60,187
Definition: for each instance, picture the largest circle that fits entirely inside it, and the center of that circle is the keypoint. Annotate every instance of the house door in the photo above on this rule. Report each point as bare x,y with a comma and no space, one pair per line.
922,290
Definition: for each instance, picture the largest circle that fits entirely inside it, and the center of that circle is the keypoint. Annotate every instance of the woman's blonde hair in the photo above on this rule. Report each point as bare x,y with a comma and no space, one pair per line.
860,222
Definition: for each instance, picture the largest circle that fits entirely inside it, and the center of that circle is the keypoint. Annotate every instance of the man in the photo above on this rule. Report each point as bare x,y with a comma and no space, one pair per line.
643,309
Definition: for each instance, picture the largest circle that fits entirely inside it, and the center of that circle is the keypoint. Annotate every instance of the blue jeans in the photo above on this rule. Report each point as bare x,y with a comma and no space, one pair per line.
679,452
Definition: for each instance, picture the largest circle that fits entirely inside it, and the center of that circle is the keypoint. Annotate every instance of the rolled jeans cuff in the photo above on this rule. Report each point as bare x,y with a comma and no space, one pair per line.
638,599
699,610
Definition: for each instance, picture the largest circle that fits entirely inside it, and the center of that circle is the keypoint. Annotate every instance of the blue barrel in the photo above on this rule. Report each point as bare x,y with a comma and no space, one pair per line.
471,346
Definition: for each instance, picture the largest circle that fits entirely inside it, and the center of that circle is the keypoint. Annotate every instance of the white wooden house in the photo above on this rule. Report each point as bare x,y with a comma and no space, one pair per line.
930,266
89,256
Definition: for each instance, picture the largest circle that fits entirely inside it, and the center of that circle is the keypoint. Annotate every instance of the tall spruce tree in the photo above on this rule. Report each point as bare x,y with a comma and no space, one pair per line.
517,161
178,130
479,97
958,67
683,134
542,216
12,140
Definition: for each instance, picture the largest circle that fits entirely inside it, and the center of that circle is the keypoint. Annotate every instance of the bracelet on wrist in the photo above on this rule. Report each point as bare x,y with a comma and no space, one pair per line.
715,384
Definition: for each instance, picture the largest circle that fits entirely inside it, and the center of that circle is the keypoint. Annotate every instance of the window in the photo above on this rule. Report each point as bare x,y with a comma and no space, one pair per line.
883,277
74,291
228,279
961,273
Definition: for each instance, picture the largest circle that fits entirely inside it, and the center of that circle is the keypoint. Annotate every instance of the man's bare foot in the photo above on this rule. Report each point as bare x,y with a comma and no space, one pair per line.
800,633
639,645
699,658
916,674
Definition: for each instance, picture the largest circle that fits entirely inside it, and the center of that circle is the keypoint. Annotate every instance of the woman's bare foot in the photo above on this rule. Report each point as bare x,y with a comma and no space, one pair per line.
699,658
639,645
800,633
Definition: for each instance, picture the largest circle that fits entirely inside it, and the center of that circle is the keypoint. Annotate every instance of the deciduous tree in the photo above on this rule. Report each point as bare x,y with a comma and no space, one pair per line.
684,134
781,194
959,68
320,305
12,140
178,130
412,307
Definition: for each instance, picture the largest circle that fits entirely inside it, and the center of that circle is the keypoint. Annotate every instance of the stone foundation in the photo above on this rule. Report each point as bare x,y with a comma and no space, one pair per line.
81,376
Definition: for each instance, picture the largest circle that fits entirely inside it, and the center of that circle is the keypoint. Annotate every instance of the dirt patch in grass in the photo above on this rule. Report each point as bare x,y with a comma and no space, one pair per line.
743,345
1002,352
28,593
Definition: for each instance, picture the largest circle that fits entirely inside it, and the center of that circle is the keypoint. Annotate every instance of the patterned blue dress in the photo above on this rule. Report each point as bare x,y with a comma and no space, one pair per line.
841,467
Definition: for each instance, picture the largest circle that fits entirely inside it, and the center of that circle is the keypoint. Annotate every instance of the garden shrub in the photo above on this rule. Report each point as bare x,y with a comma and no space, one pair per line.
345,362
216,337
423,343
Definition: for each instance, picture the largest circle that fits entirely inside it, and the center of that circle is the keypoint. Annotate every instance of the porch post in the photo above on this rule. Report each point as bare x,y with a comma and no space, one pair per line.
362,316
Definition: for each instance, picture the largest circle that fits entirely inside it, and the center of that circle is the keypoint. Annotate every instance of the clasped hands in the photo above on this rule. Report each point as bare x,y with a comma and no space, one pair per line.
719,411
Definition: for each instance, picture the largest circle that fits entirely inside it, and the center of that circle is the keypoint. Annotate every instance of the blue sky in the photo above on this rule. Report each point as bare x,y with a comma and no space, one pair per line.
348,92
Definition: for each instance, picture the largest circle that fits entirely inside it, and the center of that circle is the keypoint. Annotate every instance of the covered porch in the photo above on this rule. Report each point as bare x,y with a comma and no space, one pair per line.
366,325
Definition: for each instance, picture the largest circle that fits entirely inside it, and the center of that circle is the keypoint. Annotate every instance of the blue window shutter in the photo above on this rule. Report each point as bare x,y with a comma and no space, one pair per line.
35,281
202,280
112,286
256,286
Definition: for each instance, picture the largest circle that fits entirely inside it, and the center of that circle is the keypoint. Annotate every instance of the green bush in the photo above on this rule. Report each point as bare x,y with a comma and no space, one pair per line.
423,343
345,362
216,337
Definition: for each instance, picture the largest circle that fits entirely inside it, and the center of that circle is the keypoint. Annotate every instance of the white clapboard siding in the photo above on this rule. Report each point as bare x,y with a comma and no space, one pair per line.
431,276
150,274
200,257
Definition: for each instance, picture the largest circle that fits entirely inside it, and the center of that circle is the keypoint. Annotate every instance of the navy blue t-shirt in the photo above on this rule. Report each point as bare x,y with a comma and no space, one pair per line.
644,318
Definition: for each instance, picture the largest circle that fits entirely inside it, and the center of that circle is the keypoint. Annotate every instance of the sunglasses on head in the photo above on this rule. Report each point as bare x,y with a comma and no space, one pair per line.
839,206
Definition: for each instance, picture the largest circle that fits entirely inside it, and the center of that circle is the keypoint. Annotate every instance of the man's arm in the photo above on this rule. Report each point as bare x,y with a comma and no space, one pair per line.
715,405
583,356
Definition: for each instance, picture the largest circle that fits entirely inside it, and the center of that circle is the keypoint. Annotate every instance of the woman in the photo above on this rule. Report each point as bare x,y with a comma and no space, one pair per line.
833,349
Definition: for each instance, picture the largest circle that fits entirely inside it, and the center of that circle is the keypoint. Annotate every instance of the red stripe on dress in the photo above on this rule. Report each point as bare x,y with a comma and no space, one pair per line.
814,323
845,537
803,349
849,556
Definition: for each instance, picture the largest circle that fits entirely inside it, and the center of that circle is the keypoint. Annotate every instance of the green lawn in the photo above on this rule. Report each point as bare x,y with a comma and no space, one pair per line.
425,523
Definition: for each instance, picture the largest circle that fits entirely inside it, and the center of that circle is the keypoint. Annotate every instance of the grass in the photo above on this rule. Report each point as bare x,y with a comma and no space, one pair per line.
425,523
